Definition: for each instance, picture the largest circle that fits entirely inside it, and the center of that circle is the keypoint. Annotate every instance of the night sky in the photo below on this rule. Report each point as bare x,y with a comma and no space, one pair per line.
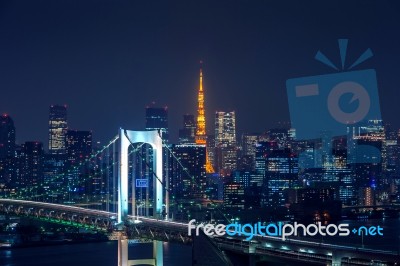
108,59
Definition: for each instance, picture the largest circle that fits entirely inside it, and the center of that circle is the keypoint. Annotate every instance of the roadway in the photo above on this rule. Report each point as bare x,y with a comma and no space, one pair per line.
171,231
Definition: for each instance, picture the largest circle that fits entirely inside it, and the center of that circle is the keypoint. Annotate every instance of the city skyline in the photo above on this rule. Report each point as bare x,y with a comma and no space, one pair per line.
152,122
211,130
156,117
56,60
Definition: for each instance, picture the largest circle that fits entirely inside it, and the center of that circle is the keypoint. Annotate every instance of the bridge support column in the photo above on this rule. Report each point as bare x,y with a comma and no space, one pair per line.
336,259
158,252
123,260
252,260
122,250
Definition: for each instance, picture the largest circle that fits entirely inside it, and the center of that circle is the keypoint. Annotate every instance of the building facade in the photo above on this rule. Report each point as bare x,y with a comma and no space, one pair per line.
188,178
188,133
225,142
7,149
31,168
157,119
57,129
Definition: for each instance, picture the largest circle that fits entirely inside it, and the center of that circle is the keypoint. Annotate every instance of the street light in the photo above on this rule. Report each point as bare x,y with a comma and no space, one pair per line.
137,213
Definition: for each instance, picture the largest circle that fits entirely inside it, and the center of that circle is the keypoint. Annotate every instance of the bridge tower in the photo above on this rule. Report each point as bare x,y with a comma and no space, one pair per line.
128,137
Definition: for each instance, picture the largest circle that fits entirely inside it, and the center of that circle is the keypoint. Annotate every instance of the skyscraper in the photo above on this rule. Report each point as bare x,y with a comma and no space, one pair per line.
234,195
188,182
249,142
53,173
367,156
7,149
225,129
157,119
225,141
57,129
79,149
281,171
7,137
79,146
31,163
201,134
188,132
247,155
282,136
263,149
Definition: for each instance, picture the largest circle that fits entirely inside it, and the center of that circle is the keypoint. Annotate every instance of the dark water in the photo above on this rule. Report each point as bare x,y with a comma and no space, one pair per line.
98,254
390,241
105,253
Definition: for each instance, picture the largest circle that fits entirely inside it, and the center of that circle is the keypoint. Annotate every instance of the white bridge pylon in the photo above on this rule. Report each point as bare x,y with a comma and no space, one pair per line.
126,138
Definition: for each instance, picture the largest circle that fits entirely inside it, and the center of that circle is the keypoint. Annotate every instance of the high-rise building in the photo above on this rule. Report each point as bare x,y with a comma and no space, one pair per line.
31,167
188,179
314,194
234,195
95,175
314,204
57,129
243,178
211,155
79,146
367,156
201,133
247,155
7,137
393,158
249,142
225,142
372,131
263,149
281,172
79,150
339,171
188,133
282,136
53,174
157,119
225,129
7,149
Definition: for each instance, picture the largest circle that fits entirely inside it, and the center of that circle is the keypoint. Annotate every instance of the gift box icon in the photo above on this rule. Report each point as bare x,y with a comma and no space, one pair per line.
333,102
327,105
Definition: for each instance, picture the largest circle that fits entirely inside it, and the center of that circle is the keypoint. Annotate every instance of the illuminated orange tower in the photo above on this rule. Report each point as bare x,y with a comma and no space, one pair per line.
201,136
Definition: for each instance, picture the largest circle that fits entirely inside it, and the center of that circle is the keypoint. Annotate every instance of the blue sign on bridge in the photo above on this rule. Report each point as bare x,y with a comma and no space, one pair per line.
141,183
